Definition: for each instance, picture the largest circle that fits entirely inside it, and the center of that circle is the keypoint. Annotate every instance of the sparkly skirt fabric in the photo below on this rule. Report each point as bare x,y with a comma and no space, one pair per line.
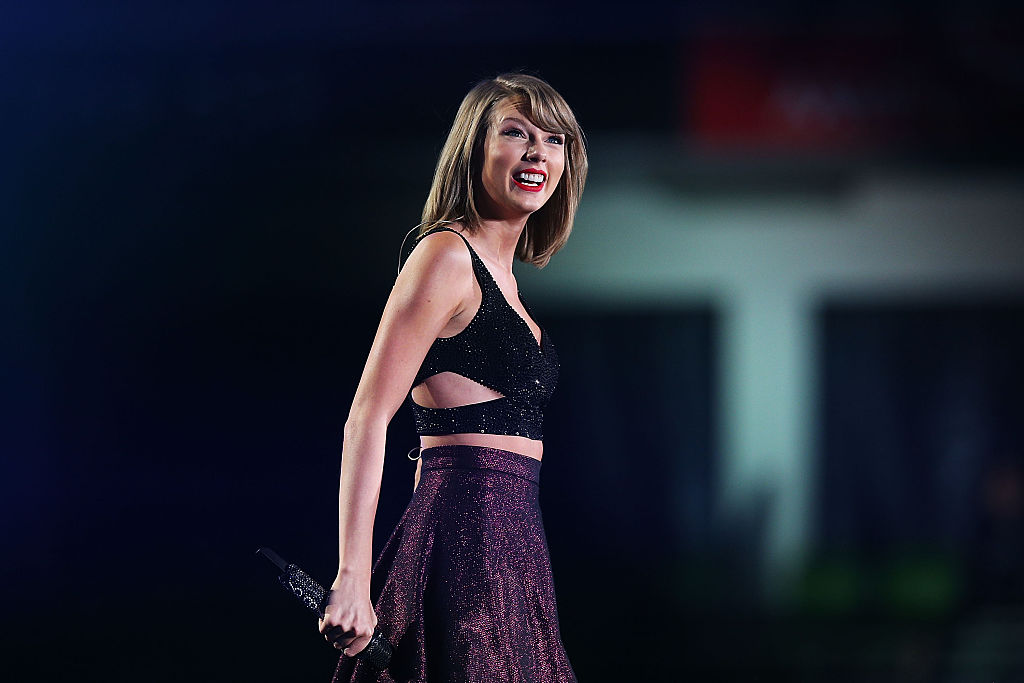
463,587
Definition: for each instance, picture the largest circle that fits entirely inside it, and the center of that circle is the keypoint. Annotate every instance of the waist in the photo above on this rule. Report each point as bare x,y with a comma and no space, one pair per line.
502,416
463,456
533,448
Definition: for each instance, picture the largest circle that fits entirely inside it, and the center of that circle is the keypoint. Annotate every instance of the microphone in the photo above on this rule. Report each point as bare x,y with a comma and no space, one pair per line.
377,652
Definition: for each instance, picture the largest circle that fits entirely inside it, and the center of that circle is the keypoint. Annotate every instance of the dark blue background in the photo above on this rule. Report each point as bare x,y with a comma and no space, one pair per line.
203,204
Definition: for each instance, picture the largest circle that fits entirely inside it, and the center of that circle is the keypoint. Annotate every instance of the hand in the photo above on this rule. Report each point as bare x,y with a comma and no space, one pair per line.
349,618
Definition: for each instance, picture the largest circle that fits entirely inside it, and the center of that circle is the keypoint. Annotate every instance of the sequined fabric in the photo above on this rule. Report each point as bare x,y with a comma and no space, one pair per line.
496,349
463,587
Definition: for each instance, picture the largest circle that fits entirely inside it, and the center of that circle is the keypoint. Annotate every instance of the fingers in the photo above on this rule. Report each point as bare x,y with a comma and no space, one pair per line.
349,642
349,633
326,626
349,645
359,643
335,633
354,647
335,622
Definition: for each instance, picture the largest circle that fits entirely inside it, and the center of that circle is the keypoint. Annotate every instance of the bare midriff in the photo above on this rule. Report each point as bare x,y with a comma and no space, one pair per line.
532,448
448,389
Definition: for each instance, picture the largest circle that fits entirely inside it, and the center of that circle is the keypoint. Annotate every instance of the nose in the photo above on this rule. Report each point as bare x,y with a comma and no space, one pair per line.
534,153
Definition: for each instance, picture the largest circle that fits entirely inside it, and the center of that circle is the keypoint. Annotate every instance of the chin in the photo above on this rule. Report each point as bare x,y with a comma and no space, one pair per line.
534,203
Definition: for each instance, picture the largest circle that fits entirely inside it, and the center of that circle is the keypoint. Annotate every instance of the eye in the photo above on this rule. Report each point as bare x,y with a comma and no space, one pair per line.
557,139
513,132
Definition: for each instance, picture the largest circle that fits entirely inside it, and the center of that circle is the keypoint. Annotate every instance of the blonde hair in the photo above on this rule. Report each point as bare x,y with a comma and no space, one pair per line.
452,192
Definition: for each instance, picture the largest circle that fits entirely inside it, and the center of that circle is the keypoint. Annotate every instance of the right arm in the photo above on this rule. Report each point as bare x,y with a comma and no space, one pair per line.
429,291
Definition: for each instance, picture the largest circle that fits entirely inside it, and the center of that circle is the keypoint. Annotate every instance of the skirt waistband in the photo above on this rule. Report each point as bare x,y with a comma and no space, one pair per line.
462,456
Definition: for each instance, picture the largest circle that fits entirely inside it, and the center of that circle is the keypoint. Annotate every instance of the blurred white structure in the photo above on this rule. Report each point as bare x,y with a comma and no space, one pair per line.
766,260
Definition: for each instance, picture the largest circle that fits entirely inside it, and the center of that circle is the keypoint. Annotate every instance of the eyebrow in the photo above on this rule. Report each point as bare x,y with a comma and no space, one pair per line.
523,123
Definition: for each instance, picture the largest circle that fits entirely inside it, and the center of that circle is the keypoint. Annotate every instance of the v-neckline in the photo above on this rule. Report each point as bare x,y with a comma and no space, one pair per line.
504,299
540,343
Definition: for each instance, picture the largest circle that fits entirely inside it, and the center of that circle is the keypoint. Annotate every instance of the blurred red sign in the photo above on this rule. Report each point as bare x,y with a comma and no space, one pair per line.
827,93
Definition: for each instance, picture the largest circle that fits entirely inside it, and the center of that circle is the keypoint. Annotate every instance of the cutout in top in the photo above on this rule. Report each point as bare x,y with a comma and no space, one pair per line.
451,390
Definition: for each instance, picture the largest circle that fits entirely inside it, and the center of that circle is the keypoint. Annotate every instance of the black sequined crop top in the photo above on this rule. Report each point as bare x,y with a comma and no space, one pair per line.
497,349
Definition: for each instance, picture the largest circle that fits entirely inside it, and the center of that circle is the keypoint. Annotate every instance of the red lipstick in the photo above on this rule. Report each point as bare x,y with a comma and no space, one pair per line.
530,188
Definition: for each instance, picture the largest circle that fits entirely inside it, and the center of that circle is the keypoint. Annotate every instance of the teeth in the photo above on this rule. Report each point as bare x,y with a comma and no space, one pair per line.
532,178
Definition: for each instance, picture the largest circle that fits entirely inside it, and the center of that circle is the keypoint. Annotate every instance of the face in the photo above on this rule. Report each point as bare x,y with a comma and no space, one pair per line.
522,164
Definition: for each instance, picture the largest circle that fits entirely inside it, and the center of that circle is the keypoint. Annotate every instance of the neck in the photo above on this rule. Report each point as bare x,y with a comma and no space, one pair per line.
499,238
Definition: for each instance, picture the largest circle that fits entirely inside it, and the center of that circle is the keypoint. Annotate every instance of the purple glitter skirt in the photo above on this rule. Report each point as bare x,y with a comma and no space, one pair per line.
463,587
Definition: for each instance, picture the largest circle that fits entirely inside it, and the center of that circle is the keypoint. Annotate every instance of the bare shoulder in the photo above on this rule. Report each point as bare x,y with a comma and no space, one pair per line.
439,267
441,253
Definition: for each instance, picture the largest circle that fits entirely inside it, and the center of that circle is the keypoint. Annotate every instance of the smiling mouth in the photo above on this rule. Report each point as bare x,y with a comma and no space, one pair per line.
531,181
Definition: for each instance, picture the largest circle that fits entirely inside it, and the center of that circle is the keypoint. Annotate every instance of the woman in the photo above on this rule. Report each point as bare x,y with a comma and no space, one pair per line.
463,586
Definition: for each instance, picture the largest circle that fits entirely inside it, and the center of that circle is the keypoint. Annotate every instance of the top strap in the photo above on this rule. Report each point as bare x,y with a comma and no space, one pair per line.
437,228
405,256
